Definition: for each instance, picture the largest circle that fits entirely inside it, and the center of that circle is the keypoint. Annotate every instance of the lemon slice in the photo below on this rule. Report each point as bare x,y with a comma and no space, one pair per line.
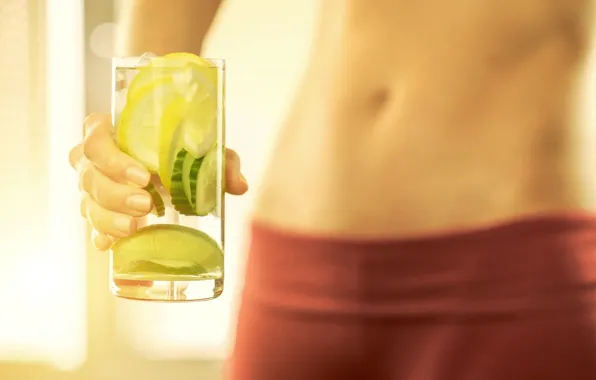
171,133
168,249
182,58
200,126
197,79
166,66
171,104
186,124
137,130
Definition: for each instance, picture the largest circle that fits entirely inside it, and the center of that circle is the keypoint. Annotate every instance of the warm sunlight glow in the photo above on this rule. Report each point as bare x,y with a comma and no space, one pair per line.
65,107
42,267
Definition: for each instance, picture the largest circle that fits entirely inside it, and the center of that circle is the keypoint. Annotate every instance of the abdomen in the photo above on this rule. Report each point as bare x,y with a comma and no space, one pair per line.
441,120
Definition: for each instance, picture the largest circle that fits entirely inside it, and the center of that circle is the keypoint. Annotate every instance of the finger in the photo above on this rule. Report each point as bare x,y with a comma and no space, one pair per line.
106,222
100,241
112,195
99,147
75,156
236,184
97,119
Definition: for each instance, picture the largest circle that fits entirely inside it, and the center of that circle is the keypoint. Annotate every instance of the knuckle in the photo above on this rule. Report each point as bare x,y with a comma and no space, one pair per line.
90,145
105,195
95,120
115,165
97,218
108,193
74,156
96,215
232,155
86,178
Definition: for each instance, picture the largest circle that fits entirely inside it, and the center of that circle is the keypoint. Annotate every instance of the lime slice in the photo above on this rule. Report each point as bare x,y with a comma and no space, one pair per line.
168,249
206,190
181,197
137,130
159,208
171,267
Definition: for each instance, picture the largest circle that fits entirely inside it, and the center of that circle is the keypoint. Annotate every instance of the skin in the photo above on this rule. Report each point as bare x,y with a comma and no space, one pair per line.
393,140
111,182
424,117
413,117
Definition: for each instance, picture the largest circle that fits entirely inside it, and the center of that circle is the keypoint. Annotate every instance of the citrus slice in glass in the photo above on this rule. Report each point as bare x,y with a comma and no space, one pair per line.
189,123
164,67
167,249
137,129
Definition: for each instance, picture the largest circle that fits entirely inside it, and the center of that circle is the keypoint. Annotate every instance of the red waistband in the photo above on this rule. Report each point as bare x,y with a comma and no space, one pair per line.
532,264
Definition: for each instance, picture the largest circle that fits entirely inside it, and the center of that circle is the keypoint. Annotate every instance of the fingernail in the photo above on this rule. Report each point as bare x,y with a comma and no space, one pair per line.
123,224
139,202
138,175
243,179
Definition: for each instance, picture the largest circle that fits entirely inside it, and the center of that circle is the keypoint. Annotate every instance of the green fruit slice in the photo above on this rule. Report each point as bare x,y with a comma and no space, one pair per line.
180,181
190,168
159,207
183,121
167,249
206,191
172,267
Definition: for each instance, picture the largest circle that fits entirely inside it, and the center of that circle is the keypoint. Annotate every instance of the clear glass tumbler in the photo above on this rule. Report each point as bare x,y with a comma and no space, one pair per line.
169,115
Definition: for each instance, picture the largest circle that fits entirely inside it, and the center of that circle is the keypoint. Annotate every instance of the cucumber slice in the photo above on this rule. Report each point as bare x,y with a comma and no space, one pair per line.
180,180
182,128
153,245
190,168
159,207
206,190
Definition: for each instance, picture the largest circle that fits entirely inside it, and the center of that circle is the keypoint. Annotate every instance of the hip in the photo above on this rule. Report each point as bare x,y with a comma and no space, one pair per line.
511,301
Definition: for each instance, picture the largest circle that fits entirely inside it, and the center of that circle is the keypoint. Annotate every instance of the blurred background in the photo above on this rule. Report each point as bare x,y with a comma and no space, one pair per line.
57,317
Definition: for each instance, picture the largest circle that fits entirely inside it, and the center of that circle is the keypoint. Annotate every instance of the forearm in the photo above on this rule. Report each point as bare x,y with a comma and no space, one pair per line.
163,27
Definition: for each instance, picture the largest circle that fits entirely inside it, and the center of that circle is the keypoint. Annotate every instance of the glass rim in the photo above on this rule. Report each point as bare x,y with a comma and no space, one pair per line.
135,60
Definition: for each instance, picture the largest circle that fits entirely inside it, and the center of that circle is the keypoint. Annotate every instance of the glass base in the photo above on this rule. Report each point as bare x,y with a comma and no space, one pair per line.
168,290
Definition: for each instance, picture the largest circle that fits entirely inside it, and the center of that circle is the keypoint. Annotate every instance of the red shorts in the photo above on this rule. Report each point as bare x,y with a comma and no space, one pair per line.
510,302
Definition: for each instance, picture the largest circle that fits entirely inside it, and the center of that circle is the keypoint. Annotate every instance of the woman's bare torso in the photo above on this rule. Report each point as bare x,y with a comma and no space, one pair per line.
418,116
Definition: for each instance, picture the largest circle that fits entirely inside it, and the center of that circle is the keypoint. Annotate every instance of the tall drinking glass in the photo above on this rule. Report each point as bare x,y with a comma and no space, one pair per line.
169,115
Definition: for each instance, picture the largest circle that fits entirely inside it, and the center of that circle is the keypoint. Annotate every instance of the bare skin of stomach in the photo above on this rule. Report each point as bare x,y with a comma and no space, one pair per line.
418,117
